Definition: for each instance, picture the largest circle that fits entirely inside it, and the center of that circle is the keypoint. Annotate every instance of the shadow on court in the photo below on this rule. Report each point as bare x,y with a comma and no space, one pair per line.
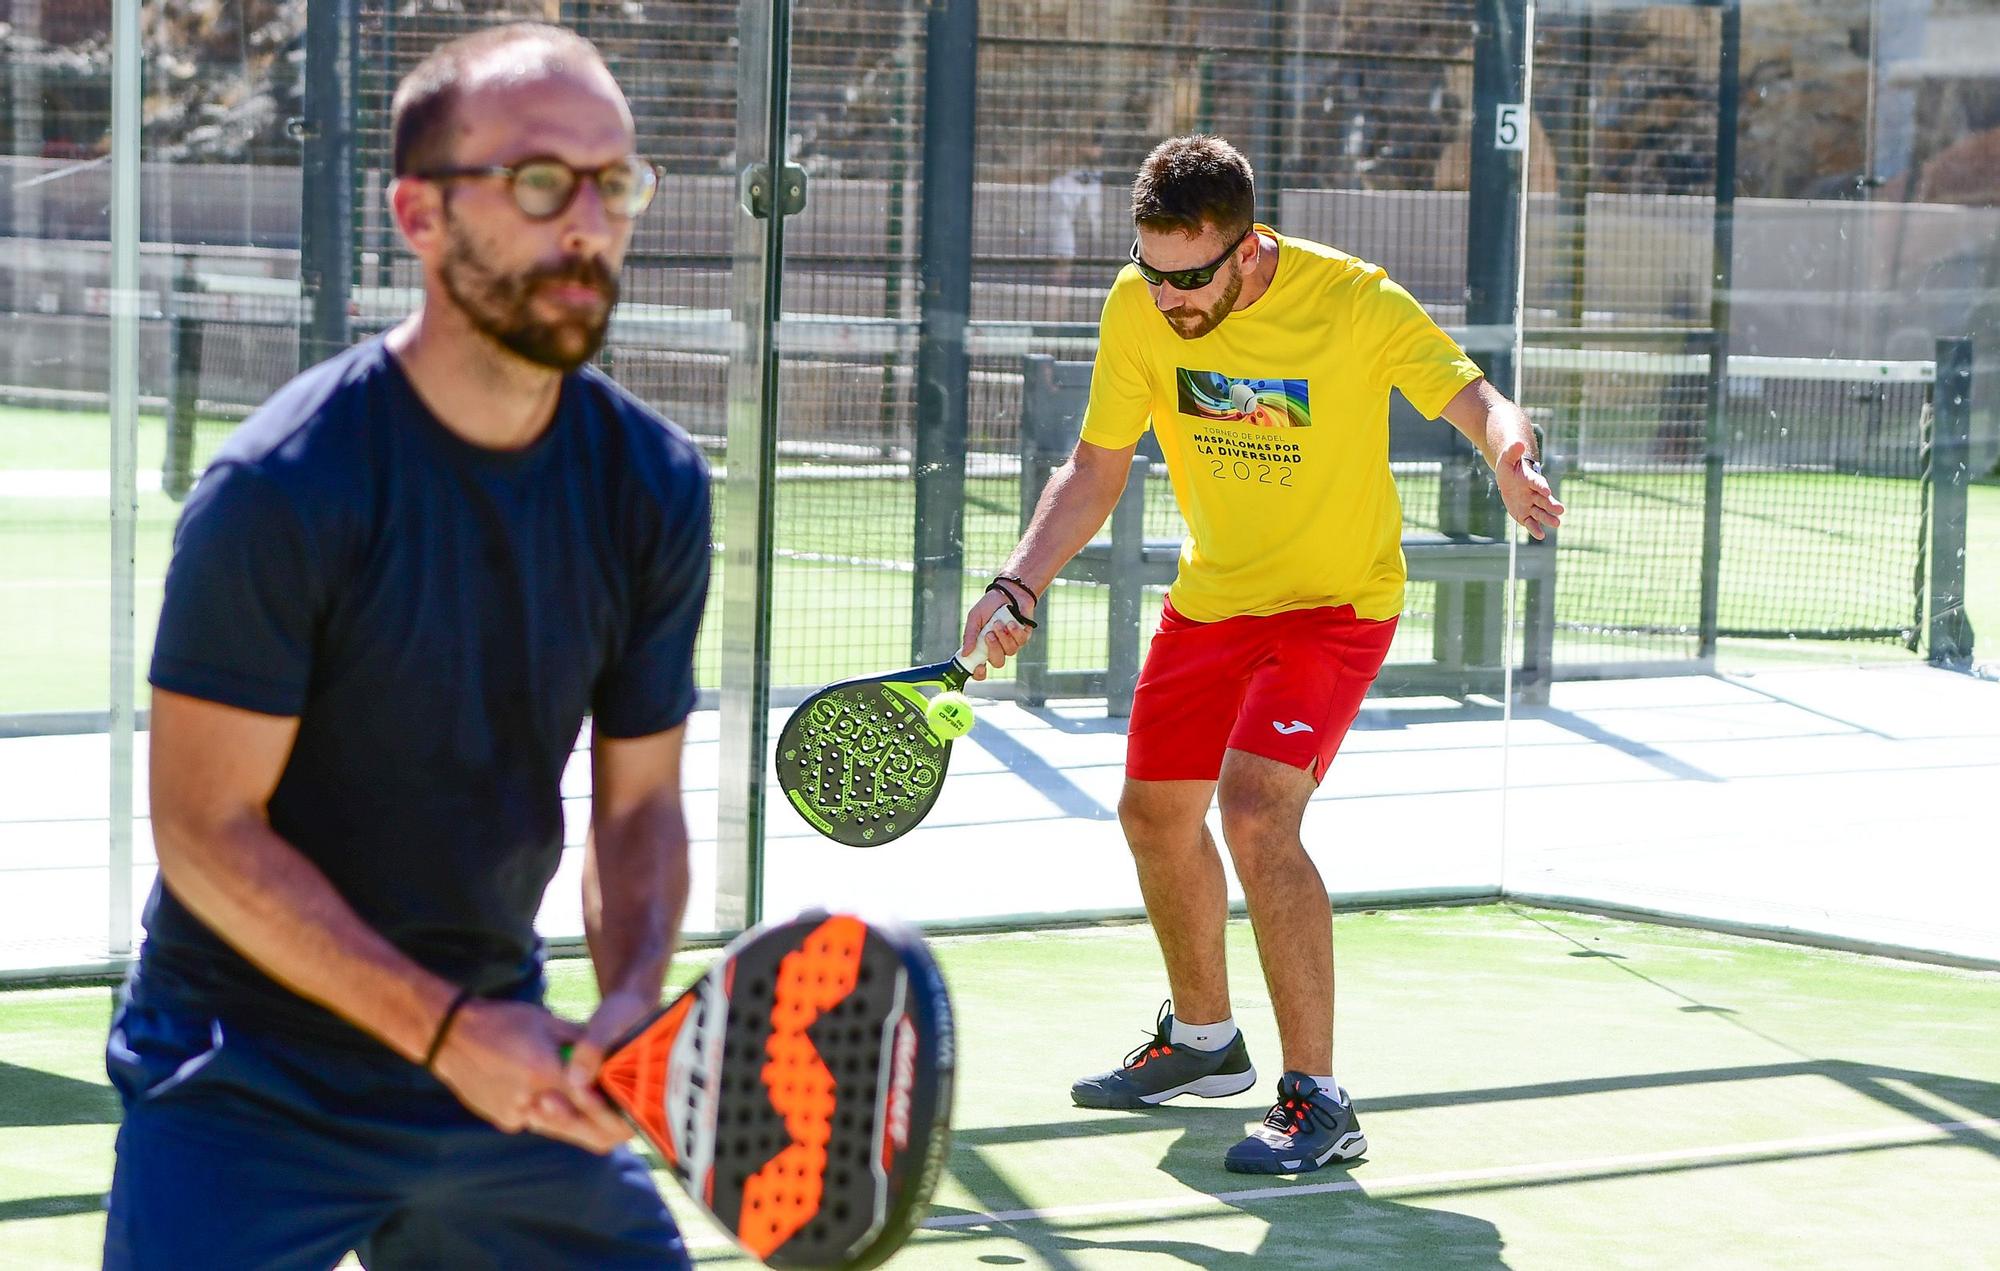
1336,1223
51,1206
29,1096
1323,1229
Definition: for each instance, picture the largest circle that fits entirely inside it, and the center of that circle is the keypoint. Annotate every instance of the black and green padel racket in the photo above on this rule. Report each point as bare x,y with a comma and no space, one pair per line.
860,761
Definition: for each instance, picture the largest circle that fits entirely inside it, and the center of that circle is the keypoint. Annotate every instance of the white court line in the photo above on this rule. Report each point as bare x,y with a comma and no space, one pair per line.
1889,1136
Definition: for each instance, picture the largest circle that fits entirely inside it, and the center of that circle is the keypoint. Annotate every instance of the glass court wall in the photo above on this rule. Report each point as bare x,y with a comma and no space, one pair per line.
1761,274
870,288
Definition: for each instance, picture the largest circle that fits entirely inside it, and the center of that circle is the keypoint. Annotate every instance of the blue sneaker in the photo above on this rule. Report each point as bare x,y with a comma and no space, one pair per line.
1159,1071
1304,1130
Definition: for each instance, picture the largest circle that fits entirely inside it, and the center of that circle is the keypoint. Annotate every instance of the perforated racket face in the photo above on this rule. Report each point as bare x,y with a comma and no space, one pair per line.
860,764
808,1110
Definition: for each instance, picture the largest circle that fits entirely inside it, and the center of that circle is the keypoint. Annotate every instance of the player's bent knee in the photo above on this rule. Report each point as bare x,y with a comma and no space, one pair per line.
1257,831
1153,825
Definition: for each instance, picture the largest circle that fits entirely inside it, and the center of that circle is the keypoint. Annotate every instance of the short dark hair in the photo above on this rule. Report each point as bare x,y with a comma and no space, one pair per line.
420,116
1188,182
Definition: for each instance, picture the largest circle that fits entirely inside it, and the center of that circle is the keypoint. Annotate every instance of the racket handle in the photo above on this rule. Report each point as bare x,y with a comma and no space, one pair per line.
566,1050
977,658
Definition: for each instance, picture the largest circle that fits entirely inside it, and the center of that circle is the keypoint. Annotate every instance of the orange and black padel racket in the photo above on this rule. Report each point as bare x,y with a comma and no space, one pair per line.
801,1089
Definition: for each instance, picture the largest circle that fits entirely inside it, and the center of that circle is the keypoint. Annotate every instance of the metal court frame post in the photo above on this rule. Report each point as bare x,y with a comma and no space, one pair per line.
951,66
1715,448
327,227
1950,470
127,66
749,492
1493,262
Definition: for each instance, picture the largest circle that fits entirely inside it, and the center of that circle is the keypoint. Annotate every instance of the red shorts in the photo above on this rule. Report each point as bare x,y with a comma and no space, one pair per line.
1285,686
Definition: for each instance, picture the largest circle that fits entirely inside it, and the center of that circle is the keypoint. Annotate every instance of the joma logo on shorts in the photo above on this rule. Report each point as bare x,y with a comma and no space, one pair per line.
1296,726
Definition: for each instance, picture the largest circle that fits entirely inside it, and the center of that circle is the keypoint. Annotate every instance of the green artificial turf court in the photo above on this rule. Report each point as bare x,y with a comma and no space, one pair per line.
1540,1089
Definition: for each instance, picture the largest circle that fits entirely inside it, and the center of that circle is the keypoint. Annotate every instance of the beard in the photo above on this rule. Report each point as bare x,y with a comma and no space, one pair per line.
1192,324
501,306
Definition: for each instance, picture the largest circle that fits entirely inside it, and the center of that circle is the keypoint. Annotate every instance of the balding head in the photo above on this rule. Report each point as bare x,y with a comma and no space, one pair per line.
424,119
535,278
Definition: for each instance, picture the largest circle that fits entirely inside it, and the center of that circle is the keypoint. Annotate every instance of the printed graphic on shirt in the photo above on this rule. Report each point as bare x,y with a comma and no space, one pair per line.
1219,398
1239,425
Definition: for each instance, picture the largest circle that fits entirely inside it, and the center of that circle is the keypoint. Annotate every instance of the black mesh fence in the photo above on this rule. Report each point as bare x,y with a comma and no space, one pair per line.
1817,531
1360,124
1823,507
1622,173
1621,235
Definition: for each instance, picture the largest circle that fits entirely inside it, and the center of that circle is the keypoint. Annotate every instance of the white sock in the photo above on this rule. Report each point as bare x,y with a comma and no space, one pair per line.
1209,1037
1330,1088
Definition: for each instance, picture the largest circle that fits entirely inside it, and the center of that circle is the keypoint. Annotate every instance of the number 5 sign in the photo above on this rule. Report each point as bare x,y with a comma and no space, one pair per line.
1510,127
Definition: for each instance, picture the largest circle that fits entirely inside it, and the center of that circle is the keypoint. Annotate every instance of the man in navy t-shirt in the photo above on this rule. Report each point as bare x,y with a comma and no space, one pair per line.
394,596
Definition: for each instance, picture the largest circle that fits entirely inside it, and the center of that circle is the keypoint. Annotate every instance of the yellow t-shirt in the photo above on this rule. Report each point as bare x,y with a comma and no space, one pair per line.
1275,429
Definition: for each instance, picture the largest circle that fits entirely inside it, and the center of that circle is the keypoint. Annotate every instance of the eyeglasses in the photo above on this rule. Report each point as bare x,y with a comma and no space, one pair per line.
1186,279
543,187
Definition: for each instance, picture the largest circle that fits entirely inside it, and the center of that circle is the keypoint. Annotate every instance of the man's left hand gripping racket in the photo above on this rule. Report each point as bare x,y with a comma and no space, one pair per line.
859,760
801,1089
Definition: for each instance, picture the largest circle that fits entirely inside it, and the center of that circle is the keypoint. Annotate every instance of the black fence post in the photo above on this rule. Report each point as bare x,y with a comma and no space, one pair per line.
1267,125
950,72
1950,470
185,329
1715,453
1500,130
326,222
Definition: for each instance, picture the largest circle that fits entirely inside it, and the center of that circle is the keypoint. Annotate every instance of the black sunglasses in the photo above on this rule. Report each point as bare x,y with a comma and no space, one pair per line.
543,187
1186,279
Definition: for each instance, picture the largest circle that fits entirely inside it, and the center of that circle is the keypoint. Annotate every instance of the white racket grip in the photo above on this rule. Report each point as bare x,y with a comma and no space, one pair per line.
977,658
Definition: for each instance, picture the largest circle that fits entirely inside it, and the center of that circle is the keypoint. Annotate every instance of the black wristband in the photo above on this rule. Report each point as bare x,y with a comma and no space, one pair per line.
444,1027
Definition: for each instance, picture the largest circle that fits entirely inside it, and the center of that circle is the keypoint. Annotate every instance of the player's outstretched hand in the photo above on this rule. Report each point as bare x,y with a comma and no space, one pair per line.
504,1061
1005,641
1526,492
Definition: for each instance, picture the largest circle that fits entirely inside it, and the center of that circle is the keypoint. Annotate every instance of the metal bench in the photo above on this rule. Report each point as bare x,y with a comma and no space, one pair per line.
1467,568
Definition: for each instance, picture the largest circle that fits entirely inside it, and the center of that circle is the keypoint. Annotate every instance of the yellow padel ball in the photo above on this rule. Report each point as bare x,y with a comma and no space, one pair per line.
949,715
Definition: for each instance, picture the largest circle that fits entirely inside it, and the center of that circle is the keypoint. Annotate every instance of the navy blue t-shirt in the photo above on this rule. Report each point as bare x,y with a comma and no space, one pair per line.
439,617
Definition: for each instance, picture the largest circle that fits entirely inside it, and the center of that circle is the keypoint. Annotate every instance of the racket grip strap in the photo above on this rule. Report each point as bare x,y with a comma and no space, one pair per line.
1013,604
444,1026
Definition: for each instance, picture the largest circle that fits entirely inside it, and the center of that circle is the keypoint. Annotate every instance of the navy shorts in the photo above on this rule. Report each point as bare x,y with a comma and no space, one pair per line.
248,1151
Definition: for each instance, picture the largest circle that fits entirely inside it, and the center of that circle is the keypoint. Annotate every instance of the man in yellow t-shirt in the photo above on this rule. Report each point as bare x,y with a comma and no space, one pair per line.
1263,364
